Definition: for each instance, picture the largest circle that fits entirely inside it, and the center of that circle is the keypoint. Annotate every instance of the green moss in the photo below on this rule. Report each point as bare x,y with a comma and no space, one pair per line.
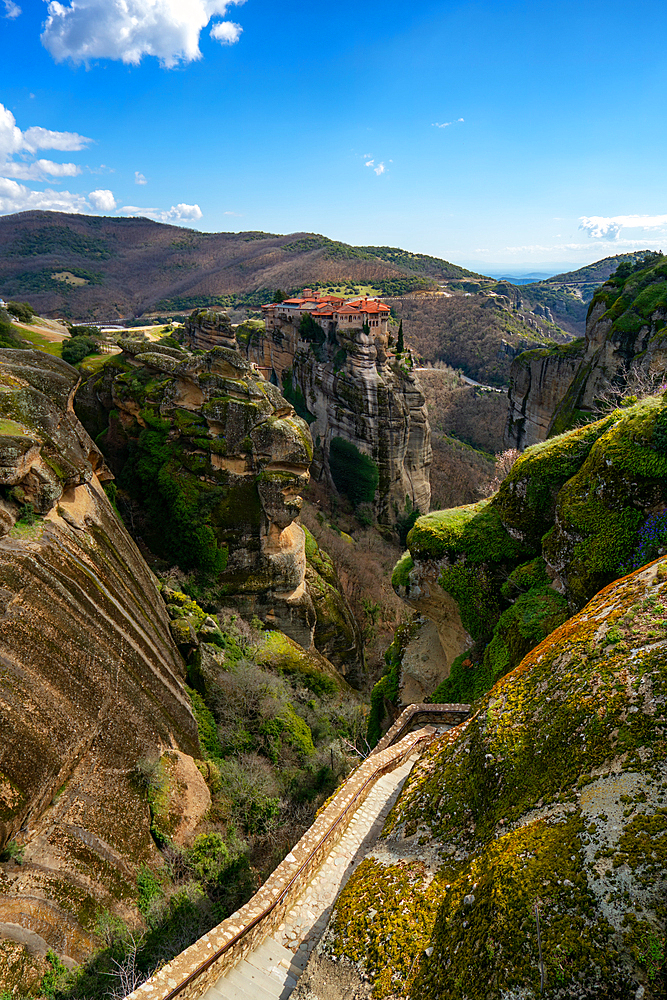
475,530
400,576
527,496
290,729
285,656
386,938
504,765
384,696
485,937
206,726
599,509
462,686
525,577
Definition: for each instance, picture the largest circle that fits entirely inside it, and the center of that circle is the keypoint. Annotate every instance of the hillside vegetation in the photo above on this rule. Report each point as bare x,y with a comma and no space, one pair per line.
479,334
86,267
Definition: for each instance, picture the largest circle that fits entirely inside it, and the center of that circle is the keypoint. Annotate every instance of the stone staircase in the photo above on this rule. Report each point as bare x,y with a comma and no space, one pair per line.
260,951
272,969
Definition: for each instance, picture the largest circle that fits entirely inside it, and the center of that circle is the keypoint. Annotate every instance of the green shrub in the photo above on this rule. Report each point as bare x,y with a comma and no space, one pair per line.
22,310
310,330
77,348
208,857
355,475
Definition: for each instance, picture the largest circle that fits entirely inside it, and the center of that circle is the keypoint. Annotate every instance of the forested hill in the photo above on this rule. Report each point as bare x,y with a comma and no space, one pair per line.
83,266
568,295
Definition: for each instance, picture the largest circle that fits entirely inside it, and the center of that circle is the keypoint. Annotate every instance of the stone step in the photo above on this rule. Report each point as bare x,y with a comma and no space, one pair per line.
224,990
270,957
257,984
271,971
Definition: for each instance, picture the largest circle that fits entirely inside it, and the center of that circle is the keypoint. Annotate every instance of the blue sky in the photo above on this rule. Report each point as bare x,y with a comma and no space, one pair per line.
523,134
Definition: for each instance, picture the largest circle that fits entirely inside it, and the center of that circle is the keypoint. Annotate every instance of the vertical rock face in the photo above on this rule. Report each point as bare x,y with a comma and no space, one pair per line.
625,345
216,457
539,381
90,680
351,386
209,328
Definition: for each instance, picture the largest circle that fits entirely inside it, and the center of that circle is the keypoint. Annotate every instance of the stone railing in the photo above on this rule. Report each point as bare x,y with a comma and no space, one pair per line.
192,972
417,714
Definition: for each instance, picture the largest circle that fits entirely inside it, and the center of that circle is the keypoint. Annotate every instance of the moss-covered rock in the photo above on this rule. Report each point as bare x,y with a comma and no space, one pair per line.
582,505
215,457
553,795
626,340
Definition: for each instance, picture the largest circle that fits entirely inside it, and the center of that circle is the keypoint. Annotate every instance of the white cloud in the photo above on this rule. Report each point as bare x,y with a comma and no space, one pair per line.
181,213
603,227
131,29
379,168
237,214
445,124
18,148
39,170
136,210
13,140
12,9
18,198
102,199
18,162
43,138
177,213
226,32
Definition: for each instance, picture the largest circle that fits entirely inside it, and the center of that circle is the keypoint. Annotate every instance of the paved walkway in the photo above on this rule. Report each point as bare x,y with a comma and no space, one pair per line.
272,970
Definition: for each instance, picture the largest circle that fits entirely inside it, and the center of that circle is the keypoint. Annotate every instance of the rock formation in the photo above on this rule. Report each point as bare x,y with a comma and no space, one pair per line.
575,512
352,387
625,344
550,798
209,328
90,679
215,457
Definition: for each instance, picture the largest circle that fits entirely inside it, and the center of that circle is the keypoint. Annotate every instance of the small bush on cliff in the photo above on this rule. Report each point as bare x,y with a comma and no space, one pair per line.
355,475
77,349
9,337
22,310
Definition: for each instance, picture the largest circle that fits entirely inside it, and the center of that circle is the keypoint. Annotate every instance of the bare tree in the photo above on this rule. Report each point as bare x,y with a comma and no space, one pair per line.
630,384
126,976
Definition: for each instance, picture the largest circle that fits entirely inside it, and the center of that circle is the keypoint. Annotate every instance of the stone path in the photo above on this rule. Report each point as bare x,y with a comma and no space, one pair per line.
272,970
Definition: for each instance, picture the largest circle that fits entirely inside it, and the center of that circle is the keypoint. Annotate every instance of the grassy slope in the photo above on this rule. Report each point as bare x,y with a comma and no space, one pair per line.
133,265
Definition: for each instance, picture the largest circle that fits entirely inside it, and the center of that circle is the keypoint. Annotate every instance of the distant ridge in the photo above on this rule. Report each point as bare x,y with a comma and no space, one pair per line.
83,266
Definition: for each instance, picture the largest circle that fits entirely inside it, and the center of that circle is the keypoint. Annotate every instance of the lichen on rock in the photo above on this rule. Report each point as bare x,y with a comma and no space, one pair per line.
554,794
216,458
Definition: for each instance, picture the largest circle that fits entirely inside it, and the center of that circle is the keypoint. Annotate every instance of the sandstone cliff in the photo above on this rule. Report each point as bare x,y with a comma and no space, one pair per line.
90,679
551,798
575,512
215,457
351,386
625,343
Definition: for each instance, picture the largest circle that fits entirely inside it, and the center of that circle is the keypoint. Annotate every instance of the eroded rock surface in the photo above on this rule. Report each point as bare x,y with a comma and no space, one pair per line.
351,386
216,457
90,679
625,345
553,794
